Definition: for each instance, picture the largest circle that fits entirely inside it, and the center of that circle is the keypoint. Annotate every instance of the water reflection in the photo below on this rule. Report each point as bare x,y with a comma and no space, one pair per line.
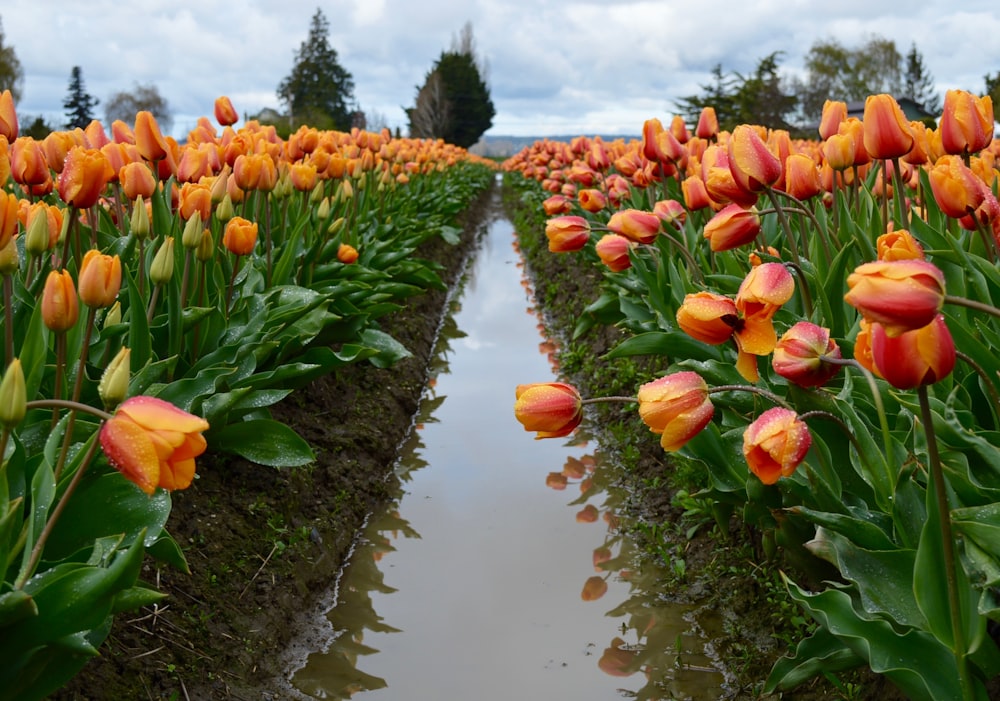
478,582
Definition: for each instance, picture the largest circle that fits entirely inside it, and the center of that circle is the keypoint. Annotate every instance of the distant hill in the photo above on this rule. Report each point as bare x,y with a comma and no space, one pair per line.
505,146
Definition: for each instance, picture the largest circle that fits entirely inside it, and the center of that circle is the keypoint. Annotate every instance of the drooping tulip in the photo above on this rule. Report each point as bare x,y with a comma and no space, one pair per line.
798,355
956,189
635,225
901,295
708,317
551,409
153,443
567,233
613,250
914,358
676,406
776,444
731,227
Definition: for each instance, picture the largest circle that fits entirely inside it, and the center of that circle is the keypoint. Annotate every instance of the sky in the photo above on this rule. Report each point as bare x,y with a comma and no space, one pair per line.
555,67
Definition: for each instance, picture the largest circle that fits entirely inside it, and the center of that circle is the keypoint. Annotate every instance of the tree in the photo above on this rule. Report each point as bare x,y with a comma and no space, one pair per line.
126,104
318,91
834,72
993,87
759,98
79,104
454,102
11,73
918,83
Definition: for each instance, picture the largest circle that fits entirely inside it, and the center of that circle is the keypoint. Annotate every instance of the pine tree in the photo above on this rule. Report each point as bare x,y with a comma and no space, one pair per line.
79,104
11,73
918,84
319,91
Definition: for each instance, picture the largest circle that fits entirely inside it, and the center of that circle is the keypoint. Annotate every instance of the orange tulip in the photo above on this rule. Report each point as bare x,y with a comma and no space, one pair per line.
670,212
708,124
966,124
86,172
752,164
153,443
802,177
853,128
635,225
902,295
863,347
148,138
775,444
886,130
708,317
676,406
834,112
195,198
898,245
60,309
9,207
695,193
56,146
303,176
552,409
955,187
100,279
347,253
567,233
838,151
137,179
731,227
557,204
194,165
613,251
225,113
240,236
27,162
592,200
8,116
797,355
914,358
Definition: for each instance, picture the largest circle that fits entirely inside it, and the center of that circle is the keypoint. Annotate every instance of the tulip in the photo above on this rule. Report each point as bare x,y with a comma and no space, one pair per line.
854,129
153,443
8,116
592,200
695,194
708,317
137,180
347,253
148,138
838,151
670,212
901,295
195,199
797,355
27,162
13,395
9,206
193,166
56,146
161,269
567,233
557,204
225,113
863,347
764,289
84,176
60,309
100,279
887,132
914,358
732,227
775,444
956,189
635,225
966,124
834,112
10,260
240,236
303,176
677,407
113,386
613,250
802,177
752,164
594,588
708,124
898,245
552,409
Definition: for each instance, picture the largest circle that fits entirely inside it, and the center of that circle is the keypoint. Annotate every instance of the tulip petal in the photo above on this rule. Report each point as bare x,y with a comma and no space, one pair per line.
130,451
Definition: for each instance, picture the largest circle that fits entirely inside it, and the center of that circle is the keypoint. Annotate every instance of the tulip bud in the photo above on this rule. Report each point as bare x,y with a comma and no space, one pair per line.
9,261
162,267
676,406
336,226
13,395
206,248
36,241
346,190
225,211
113,387
316,195
220,185
191,236
323,211
139,222
114,315
552,409
347,254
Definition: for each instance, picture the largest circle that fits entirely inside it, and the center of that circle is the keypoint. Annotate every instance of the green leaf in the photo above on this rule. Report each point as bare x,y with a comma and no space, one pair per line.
264,442
676,344
390,351
820,653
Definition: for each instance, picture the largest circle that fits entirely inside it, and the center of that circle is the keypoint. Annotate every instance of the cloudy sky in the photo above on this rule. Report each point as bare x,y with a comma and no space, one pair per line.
556,67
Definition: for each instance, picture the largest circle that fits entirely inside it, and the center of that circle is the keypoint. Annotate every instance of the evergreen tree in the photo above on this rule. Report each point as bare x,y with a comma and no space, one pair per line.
993,88
454,103
126,104
79,104
319,91
11,73
918,84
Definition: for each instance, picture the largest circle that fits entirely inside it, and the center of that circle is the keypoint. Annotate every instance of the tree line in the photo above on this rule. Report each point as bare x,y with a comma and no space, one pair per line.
453,104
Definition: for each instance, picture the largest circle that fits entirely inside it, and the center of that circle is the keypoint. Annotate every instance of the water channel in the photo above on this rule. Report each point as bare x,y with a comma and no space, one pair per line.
501,570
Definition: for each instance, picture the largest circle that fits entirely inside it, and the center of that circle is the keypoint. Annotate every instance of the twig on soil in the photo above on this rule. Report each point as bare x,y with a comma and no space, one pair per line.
259,570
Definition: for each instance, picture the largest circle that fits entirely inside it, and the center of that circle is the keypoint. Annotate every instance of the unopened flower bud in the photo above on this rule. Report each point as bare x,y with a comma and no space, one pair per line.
225,211
191,236
162,267
13,395
36,241
113,315
316,195
346,190
114,382
336,226
139,222
9,261
323,211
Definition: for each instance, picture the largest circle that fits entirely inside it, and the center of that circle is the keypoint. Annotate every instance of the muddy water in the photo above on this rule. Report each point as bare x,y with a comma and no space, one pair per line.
501,572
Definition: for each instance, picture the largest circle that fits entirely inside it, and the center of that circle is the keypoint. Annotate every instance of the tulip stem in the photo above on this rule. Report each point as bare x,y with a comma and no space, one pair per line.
899,196
67,404
750,388
785,226
694,268
972,304
597,400
948,545
77,388
8,322
36,551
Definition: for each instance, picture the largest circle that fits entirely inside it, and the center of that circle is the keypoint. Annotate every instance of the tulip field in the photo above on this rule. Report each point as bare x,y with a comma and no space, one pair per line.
825,315
158,300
